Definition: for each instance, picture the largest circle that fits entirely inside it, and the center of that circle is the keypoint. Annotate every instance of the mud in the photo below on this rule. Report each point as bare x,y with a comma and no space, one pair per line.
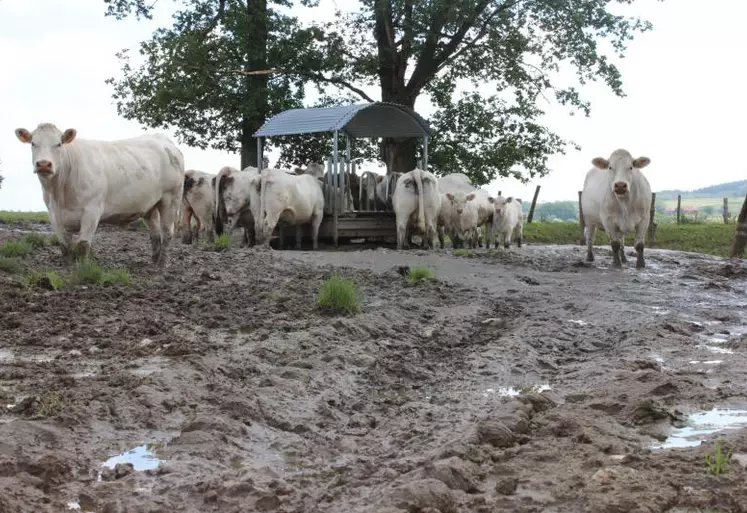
523,380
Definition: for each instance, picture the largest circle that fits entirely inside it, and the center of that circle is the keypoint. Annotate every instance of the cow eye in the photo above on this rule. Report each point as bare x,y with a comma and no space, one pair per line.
58,145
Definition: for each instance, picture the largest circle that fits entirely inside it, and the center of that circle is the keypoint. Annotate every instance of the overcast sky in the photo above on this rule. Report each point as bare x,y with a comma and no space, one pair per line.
685,107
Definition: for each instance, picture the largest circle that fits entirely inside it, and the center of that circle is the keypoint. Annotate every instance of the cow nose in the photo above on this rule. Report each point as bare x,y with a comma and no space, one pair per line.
459,211
621,187
44,166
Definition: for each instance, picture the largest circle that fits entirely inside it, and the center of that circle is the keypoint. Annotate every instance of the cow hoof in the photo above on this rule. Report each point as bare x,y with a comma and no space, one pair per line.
640,265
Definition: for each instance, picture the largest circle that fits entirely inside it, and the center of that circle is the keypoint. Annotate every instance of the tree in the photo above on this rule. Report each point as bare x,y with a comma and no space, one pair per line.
206,75
413,48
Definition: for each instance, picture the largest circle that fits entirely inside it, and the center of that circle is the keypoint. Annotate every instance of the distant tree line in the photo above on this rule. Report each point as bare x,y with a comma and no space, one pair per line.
721,190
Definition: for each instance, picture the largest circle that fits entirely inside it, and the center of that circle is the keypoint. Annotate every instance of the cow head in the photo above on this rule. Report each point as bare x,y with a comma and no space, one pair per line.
501,203
46,147
459,200
622,165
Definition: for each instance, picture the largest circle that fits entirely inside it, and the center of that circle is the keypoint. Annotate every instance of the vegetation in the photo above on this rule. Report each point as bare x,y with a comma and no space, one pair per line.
722,190
88,272
44,279
12,216
462,252
15,249
10,265
717,464
209,74
420,274
339,295
713,239
222,242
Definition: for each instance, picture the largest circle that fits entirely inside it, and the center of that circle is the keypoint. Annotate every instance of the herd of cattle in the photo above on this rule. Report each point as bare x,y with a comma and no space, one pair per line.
88,182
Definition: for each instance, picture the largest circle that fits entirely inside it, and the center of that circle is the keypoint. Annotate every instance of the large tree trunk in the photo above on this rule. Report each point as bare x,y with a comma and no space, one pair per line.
400,154
255,110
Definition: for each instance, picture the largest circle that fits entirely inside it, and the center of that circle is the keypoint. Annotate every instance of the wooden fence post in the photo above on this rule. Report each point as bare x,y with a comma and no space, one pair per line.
651,224
581,220
740,237
725,211
679,205
534,202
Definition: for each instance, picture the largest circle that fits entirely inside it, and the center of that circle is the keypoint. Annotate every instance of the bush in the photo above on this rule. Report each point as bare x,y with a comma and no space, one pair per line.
339,295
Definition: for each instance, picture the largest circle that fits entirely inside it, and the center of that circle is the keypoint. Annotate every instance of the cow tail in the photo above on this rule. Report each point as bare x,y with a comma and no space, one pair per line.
421,210
218,203
262,200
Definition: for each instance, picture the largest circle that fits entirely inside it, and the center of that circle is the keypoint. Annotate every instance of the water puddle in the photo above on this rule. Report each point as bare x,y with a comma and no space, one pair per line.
516,391
703,424
142,457
579,322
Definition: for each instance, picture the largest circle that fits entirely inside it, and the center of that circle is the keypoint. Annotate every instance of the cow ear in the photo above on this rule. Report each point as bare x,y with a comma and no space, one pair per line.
450,196
509,199
23,135
600,163
470,196
641,162
68,136
491,199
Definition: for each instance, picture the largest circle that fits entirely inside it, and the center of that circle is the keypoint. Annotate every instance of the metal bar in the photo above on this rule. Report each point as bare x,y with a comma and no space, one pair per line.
336,167
425,153
259,153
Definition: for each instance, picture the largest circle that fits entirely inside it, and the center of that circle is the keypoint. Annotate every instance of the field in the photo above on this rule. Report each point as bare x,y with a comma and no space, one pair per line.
521,380
717,203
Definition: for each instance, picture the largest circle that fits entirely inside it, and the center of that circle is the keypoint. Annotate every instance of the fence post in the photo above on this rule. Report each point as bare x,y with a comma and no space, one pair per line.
740,237
534,202
679,205
725,212
581,220
651,224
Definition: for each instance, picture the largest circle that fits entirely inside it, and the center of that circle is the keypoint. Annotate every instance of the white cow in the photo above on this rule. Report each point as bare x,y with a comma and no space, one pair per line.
385,188
617,197
466,212
197,202
288,198
313,168
508,220
90,182
232,195
416,202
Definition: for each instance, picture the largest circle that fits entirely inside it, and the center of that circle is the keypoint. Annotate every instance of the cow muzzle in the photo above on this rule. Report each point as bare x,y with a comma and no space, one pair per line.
44,168
620,188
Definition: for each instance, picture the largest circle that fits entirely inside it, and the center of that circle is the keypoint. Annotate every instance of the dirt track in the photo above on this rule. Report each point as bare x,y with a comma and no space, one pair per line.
252,401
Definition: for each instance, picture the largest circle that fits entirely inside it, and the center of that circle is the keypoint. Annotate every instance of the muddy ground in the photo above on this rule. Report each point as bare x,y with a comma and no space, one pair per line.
519,381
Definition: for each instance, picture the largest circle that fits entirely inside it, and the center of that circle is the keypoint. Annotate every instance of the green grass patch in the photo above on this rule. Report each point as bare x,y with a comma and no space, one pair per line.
710,238
15,249
222,242
12,216
49,280
421,274
719,462
88,272
35,240
10,265
462,252
54,240
339,295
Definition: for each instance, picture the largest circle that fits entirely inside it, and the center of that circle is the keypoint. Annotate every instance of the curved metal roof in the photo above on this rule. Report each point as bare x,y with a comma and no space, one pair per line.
378,119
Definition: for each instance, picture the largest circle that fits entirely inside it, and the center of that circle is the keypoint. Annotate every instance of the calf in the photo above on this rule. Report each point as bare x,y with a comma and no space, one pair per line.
416,202
617,197
508,220
88,182
291,199
197,202
231,188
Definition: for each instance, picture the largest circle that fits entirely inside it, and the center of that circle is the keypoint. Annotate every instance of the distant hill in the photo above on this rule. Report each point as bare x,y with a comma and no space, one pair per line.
722,190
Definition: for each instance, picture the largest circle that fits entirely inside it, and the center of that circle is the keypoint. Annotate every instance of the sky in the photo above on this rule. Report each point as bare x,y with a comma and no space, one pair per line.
684,84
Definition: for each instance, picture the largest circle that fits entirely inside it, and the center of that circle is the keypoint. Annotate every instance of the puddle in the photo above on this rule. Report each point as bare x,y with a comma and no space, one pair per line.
579,322
702,425
516,391
142,458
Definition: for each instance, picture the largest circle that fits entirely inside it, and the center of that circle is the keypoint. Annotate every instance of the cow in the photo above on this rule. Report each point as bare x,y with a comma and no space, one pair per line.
385,189
289,199
87,182
466,213
313,168
232,197
367,191
508,220
617,197
416,202
447,215
197,201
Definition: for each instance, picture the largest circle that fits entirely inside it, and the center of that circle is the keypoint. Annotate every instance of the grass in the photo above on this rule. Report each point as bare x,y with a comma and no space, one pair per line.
15,249
12,216
421,274
717,463
43,279
461,252
339,295
710,238
88,272
222,242
50,404
10,265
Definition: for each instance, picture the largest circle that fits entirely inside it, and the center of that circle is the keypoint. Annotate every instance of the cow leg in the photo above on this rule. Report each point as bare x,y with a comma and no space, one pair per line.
623,258
198,228
401,236
615,237
167,208
316,222
507,240
89,221
440,233
519,235
298,236
590,232
186,227
639,243
152,219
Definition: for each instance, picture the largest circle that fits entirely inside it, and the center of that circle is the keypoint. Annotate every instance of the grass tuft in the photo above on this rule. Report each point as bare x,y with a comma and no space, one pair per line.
420,274
15,249
718,463
10,265
462,252
34,240
49,280
88,272
222,242
339,295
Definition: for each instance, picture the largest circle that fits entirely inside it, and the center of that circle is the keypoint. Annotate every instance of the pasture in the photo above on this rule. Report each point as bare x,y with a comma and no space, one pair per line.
371,380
